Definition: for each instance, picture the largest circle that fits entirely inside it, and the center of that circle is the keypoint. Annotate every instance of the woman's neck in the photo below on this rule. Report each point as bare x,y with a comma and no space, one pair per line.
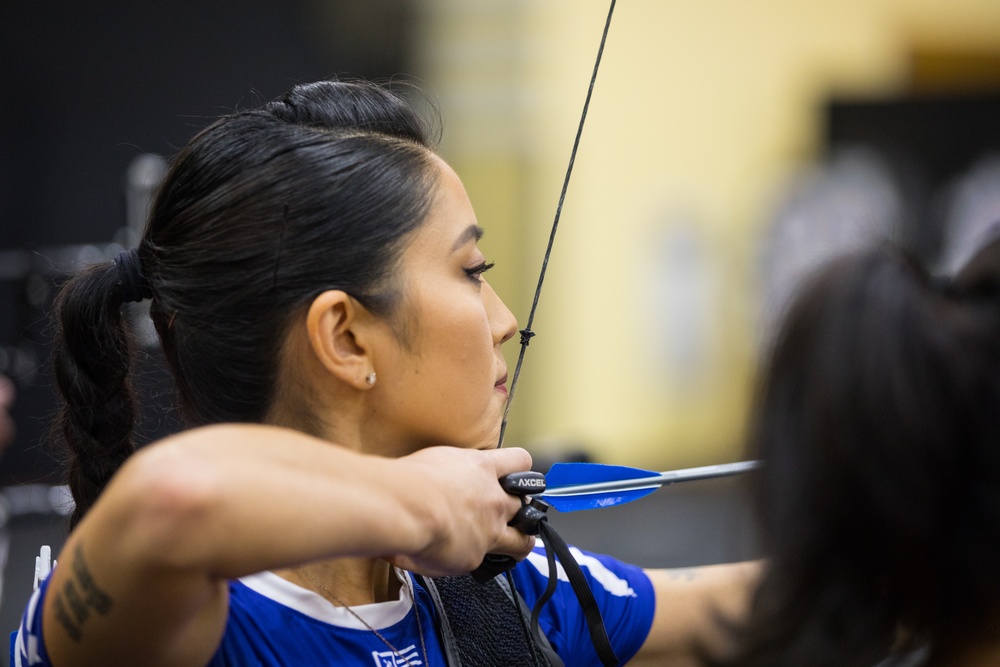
347,581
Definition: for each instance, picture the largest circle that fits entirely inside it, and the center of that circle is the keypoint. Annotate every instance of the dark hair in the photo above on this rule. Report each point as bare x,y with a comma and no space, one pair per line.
878,419
258,214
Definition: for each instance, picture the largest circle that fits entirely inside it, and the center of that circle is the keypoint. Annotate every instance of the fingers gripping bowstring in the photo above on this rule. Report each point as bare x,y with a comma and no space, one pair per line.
526,332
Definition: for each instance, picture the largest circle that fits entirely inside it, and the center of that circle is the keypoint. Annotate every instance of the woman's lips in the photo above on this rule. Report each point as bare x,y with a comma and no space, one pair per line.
501,385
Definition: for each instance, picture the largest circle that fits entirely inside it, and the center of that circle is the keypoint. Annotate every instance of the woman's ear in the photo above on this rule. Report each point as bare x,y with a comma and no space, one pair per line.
334,323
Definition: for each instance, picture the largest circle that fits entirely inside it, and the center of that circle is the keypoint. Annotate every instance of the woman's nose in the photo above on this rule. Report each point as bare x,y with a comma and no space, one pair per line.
502,321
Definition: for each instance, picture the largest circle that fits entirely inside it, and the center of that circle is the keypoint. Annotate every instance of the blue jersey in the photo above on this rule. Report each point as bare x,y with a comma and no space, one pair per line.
274,623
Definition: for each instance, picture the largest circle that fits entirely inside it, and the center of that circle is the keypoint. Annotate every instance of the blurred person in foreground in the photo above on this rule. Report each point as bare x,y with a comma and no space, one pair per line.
878,419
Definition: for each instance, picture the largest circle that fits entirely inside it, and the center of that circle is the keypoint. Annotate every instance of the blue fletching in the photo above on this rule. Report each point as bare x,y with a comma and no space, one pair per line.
572,474
562,475
593,501
587,486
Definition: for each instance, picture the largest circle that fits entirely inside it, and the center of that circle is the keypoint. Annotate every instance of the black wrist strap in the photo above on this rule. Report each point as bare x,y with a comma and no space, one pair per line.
556,546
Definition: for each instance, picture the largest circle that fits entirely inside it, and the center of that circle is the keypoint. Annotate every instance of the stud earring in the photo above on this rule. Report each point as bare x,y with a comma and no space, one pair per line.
370,378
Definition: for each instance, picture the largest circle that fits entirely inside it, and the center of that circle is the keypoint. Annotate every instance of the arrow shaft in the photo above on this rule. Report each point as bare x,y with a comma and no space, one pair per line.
669,477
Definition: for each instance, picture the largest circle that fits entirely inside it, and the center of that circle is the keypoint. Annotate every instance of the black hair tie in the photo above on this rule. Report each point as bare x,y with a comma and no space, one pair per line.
131,281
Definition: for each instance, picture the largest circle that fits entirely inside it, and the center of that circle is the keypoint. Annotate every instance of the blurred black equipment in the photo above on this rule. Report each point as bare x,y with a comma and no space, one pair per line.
29,280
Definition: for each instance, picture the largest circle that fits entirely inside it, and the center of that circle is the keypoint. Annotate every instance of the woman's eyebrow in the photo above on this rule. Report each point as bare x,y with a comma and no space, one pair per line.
472,233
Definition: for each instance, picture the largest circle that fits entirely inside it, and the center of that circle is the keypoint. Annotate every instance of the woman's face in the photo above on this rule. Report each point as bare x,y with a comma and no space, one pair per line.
443,381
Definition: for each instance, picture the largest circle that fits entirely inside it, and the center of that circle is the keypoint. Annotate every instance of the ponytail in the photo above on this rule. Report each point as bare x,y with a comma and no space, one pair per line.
92,358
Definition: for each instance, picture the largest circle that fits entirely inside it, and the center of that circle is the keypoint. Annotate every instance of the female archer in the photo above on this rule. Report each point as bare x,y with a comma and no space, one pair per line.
314,277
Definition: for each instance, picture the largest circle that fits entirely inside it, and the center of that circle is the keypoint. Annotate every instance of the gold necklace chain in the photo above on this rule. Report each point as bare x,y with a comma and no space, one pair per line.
416,610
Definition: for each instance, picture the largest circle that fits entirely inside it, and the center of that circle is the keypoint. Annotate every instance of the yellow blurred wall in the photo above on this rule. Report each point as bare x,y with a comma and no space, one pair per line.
646,325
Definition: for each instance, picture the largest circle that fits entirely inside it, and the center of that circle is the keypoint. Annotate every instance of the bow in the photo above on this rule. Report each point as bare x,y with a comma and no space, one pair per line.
624,484
532,519
576,486
526,333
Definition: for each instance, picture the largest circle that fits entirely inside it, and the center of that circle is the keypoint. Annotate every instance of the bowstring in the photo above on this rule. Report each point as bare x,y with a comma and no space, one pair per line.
526,332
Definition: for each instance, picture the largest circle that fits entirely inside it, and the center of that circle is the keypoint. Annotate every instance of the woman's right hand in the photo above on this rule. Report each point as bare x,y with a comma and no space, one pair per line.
468,511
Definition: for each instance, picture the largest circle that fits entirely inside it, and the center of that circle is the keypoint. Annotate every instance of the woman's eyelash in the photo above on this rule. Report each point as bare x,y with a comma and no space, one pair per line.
480,269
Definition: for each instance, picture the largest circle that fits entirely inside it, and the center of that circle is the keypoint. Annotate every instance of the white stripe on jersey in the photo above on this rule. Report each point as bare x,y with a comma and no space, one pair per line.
605,577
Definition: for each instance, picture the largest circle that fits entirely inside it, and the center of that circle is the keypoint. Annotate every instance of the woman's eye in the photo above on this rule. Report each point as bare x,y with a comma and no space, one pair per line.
477,271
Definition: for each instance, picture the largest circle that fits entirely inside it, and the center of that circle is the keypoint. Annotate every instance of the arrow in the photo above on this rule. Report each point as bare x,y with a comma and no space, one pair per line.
581,486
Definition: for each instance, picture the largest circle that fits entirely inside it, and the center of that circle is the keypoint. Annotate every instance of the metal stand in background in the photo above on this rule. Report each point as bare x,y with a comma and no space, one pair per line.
28,281
23,502
39,270
29,278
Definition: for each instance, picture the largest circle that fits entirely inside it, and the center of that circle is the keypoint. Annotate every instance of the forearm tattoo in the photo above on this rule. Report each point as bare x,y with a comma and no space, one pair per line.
78,596
684,574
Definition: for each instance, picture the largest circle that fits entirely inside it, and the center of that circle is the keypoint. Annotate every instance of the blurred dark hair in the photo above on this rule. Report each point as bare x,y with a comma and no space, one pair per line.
878,419
258,214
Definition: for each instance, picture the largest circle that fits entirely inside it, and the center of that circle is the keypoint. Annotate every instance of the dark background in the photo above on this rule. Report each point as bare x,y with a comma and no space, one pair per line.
86,88
929,139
